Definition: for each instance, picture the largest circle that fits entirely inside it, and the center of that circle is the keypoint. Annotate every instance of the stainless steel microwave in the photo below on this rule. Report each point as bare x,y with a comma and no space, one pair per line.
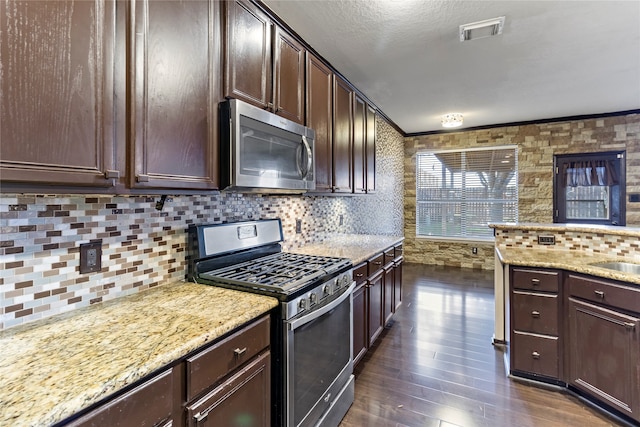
263,152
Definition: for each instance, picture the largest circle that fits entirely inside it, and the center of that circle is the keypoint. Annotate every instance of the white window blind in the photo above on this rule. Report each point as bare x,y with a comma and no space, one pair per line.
458,193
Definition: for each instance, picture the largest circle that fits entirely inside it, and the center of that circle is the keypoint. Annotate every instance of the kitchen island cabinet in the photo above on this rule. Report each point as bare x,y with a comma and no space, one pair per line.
604,341
56,109
86,358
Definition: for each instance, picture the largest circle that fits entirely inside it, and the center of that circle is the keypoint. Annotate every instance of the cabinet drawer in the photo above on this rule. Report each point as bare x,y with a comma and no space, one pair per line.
536,313
537,280
397,251
624,297
208,367
148,404
375,264
389,255
360,273
535,354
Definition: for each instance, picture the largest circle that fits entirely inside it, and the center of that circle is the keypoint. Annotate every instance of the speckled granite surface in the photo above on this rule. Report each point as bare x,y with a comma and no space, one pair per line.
579,262
586,228
357,247
53,368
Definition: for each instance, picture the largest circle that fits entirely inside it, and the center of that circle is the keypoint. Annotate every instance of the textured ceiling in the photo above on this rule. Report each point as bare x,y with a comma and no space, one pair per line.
554,58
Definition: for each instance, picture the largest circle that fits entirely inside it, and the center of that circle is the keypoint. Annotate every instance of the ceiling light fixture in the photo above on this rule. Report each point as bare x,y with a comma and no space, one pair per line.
452,120
481,29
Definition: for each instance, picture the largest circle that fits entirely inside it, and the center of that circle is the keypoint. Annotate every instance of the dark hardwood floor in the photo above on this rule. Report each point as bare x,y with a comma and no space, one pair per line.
435,365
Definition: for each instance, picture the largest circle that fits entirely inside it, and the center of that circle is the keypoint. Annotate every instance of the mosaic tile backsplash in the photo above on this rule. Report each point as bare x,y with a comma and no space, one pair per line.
143,247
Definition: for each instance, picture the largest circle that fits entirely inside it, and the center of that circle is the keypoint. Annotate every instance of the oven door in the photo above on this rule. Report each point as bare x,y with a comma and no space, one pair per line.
319,362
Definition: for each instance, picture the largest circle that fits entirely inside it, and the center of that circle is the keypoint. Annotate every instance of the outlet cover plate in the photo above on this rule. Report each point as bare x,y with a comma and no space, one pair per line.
91,257
546,240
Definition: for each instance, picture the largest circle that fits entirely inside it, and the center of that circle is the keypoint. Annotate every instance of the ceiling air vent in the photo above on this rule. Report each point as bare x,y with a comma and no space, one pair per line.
481,29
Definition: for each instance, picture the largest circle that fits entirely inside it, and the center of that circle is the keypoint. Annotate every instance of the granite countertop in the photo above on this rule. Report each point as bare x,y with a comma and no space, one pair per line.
357,247
53,368
586,228
570,260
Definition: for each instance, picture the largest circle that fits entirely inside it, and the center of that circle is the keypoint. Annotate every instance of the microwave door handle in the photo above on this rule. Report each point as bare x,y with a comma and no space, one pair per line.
309,156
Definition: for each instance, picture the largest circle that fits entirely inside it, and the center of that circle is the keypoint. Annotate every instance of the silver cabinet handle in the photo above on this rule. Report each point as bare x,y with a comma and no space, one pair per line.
535,313
239,351
599,294
535,355
535,282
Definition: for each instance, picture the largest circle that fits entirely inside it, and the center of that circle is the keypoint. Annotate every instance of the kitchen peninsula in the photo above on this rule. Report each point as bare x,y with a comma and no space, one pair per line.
567,303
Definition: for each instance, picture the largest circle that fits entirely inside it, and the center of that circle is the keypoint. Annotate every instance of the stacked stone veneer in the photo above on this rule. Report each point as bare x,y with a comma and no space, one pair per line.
143,247
537,144
586,242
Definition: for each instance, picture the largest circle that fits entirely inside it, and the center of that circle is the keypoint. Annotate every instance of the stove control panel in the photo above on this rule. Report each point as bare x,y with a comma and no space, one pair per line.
318,296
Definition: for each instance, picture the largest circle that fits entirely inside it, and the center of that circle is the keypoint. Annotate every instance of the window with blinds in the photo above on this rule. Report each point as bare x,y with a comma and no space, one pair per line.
458,193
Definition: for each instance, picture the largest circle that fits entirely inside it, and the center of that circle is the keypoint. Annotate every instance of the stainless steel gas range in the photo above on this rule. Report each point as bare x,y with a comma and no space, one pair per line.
312,334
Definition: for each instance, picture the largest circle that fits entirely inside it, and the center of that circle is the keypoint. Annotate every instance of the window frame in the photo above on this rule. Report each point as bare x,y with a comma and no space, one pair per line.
617,192
466,238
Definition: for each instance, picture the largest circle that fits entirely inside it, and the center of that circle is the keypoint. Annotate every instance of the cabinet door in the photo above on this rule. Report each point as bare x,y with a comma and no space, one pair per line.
175,72
359,134
242,400
397,284
57,61
319,118
375,306
360,337
388,294
342,136
248,65
288,69
604,354
370,150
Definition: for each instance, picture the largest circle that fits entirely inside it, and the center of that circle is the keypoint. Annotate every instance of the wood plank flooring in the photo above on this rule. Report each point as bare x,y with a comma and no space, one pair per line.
435,365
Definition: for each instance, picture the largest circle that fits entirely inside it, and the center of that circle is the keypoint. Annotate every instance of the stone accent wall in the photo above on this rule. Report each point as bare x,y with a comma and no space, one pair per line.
537,143
143,247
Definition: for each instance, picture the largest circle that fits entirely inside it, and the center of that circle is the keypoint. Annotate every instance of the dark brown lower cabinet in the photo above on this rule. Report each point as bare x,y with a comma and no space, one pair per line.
242,400
152,403
389,303
604,355
397,283
375,286
227,383
360,335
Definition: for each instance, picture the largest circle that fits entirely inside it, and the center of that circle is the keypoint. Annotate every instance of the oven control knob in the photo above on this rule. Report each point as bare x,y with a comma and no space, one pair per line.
312,299
345,280
302,305
326,289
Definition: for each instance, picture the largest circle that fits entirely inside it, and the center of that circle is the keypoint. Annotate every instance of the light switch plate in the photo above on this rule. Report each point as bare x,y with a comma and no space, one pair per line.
547,240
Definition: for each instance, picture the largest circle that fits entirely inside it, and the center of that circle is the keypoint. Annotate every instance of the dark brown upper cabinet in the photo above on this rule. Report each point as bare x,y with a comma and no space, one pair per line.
342,136
251,73
248,54
57,61
370,150
359,135
288,73
174,81
319,88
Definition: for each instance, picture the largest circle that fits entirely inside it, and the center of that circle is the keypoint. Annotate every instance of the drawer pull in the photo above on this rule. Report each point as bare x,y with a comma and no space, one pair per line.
239,351
535,282
359,274
535,355
378,262
535,313
629,325
599,294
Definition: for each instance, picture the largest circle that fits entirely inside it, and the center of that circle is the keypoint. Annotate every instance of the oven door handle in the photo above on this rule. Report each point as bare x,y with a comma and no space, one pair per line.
295,324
